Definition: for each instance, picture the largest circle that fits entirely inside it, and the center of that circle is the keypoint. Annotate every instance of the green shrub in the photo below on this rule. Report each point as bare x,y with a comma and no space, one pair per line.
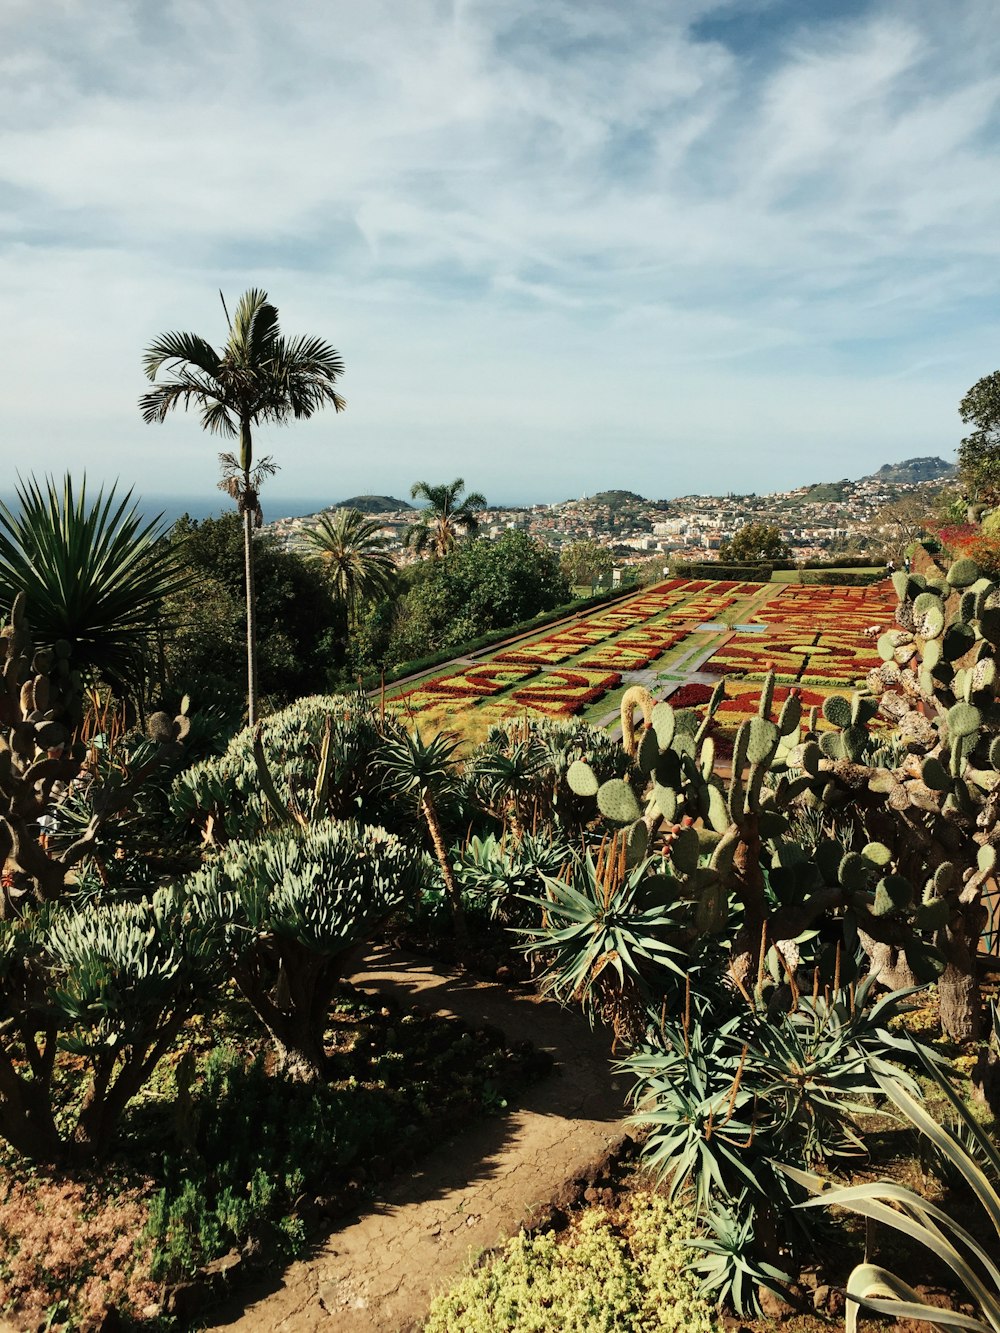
610,1274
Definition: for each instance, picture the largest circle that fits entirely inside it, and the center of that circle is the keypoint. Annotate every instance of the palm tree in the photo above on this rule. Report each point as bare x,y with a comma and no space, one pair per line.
94,576
425,771
348,545
258,376
444,518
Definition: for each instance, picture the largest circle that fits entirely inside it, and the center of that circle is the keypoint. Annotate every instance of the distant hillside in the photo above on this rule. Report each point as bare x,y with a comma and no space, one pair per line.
914,470
373,504
826,492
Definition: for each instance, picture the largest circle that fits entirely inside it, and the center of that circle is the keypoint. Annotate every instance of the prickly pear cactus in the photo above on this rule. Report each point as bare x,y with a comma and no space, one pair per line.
38,708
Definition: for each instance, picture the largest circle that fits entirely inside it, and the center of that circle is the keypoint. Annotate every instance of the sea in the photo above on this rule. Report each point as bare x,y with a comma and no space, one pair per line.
169,508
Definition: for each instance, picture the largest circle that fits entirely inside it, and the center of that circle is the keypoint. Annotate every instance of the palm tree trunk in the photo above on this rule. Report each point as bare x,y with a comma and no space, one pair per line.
447,874
251,617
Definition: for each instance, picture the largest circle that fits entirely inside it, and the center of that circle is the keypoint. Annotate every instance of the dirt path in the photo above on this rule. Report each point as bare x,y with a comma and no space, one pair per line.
378,1273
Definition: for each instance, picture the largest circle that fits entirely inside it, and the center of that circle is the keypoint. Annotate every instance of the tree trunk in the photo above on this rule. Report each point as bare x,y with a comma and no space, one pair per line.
441,852
959,1001
248,519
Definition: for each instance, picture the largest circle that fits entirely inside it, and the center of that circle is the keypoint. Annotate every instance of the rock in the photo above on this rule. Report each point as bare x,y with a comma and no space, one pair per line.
773,1305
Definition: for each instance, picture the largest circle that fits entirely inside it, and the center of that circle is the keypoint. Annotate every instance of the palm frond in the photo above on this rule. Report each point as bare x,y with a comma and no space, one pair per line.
181,349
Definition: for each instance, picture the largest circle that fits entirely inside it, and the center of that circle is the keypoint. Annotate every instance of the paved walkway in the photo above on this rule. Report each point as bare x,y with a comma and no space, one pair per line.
379,1273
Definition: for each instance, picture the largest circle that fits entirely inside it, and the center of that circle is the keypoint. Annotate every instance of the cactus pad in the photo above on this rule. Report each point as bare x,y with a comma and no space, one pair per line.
837,710
963,720
963,572
616,800
582,779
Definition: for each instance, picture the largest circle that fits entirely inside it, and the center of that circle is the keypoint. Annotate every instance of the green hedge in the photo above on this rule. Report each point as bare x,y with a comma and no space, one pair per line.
421,664
755,573
840,577
843,562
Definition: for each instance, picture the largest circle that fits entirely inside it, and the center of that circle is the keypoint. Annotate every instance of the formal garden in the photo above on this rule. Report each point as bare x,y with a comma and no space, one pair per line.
741,835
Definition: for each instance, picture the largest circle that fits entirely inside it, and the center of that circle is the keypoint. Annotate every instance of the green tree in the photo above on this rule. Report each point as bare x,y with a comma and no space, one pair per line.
483,585
259,376
301,626
755,541
94,575
586,561
979,452
445,518
349,549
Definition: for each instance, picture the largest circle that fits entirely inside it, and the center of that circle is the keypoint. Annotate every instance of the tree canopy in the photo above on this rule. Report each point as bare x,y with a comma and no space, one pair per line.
445,518
979,452
755,541
586,561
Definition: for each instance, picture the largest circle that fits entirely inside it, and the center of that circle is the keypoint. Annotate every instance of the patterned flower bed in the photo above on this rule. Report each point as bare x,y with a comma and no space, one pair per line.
560,693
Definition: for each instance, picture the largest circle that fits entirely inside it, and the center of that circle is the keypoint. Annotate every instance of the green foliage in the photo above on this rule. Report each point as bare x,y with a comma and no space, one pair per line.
258,377
256,1142
224,795
607,937
349,549
94,574
729,1271
301,628
288,909
606,1278
755,541
721,1100
586,561
446,517
979,452
480,586
111,984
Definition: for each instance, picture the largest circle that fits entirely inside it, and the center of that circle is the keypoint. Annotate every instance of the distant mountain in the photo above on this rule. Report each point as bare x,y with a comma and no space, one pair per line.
373,504
914,470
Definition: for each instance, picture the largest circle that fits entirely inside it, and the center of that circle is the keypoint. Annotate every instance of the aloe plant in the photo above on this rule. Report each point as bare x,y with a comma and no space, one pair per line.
608,934
974,1265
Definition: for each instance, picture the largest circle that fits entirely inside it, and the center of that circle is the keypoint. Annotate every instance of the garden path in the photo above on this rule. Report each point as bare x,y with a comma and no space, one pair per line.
379,1272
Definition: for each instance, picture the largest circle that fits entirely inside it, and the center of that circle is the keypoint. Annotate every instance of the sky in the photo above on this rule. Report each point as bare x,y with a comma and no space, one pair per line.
670,245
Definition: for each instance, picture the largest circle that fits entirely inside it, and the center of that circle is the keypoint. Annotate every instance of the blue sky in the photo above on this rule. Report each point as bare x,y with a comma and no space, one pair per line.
672,246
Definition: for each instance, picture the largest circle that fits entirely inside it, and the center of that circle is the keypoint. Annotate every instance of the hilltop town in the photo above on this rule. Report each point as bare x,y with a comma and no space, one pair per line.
816,520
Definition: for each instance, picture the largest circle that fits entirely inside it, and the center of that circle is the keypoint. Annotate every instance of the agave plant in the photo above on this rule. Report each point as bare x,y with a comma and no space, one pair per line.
95,575
974,1265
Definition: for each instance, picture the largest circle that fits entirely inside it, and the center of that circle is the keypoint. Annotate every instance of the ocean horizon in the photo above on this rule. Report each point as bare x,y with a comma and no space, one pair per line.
173,507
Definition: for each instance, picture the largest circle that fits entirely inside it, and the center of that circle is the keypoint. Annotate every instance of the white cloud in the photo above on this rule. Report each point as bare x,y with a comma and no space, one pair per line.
546,238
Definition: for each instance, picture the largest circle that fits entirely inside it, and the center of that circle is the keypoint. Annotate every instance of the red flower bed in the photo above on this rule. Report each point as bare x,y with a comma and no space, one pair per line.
690,696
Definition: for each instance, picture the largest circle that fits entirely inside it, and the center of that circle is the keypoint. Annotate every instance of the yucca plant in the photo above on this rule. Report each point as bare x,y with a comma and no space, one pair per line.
975,1266
424,772
94,574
